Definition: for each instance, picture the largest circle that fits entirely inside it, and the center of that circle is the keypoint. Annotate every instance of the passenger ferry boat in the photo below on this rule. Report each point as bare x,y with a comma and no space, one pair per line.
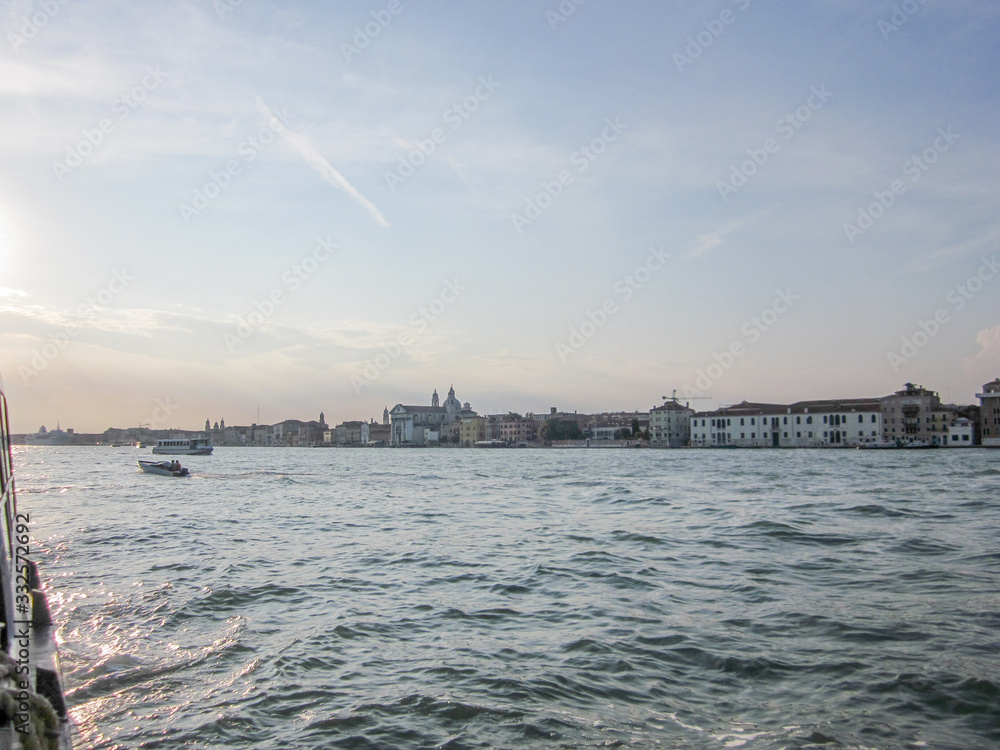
184,447
57,436
35,712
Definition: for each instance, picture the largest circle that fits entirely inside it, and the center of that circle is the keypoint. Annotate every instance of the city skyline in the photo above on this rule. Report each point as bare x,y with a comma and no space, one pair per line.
220,205
165,409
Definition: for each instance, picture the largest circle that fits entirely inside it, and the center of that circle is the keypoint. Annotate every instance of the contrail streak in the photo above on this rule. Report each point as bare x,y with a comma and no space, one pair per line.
318,162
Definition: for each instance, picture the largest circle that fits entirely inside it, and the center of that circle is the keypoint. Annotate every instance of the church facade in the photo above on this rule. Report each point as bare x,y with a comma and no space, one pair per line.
429,425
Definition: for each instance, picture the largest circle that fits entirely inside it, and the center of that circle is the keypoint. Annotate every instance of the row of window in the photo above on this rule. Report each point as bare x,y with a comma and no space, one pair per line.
836,435
834,419
916,420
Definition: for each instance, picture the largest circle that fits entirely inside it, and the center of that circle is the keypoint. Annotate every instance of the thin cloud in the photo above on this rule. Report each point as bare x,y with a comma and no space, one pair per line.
317,161
710,240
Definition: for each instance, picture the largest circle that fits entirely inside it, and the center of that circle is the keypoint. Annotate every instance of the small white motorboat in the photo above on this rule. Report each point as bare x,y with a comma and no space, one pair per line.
164,468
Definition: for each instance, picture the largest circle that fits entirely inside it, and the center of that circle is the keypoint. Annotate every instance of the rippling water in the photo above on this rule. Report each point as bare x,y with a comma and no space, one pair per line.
301,598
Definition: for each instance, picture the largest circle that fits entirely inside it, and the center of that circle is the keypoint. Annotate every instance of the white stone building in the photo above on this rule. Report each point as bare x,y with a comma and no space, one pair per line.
745,425
845,423
424,425
836,423
961,434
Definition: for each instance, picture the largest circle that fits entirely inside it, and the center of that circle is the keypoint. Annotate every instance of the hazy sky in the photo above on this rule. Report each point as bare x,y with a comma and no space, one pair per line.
210,206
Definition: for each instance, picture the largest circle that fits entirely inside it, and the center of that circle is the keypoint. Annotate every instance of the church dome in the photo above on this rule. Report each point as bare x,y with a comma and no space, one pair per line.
452,405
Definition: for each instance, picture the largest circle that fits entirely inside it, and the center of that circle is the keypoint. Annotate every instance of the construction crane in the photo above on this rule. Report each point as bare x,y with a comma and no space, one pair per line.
673,397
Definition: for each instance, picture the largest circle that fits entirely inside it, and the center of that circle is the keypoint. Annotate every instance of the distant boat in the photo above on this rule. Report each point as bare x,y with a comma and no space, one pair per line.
876,446
918,444
49,437
184,447
897,445
490,444
163,468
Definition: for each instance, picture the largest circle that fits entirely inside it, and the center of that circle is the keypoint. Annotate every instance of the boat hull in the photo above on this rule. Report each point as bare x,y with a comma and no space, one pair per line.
898,445
36,714
170,451
161,468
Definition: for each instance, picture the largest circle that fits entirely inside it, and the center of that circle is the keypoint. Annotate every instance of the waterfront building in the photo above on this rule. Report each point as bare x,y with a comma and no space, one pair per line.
493,427
832,423
745,425
449,434
913,414
670,425
907,415
261,436
349,433
425,425
961,434
989,414
471,431
950,420
237,434
373,433
294,433
515,429
616,425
